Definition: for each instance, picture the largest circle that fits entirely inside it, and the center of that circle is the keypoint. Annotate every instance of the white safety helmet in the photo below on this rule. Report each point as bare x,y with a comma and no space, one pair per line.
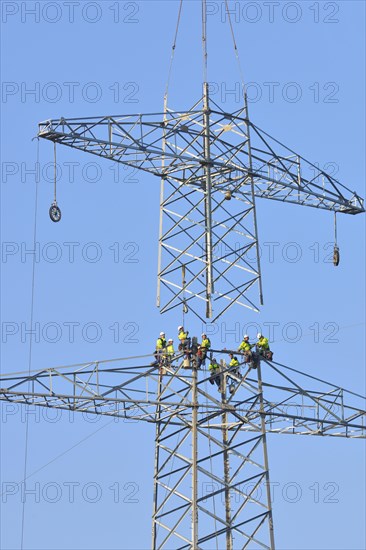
180,327
162,334
246,337
170,340
259,335
203,334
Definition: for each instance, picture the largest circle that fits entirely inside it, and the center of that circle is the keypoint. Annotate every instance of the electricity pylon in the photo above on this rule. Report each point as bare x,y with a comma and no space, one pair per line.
211,476
213,166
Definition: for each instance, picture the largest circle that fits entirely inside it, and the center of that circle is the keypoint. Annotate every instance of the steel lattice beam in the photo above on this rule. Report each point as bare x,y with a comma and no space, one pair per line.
218,485
290,406
208,246
211,459
137,141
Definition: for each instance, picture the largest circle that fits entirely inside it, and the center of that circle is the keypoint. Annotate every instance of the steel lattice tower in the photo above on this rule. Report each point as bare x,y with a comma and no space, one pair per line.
208,257
211,473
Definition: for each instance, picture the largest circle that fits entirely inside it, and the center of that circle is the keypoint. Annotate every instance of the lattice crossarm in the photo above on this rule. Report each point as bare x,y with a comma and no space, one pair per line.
279,173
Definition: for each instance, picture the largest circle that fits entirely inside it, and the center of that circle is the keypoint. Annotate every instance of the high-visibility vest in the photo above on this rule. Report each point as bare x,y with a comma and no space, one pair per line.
213,366
160,343
245,346
234,362
263,343
170,349
206,343
182,335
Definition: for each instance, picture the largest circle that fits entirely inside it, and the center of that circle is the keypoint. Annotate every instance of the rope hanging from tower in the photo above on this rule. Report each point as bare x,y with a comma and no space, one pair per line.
204,39
336,255
173,52
55,212
30,350
234,43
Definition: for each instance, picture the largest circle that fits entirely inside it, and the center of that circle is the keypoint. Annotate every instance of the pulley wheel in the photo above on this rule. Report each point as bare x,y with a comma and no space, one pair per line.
336,256
55,213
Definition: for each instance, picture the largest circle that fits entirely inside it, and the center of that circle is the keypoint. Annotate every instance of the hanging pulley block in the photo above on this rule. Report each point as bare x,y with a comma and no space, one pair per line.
228,195
55,212
336,256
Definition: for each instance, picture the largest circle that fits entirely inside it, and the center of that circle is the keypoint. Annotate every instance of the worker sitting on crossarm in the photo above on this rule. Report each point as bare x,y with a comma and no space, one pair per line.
202,350
262,344
206,343
245,348
234,363
170,350
183,337
263,347
214,369
160,346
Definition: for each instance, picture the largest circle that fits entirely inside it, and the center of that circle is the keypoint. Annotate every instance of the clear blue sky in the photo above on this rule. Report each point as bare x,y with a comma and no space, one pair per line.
96,58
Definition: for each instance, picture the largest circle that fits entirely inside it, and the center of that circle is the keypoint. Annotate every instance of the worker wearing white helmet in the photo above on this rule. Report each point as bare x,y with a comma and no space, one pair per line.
206,343
262,343
183,337
160,347
161,342
202,350
245,346
182,334
170,348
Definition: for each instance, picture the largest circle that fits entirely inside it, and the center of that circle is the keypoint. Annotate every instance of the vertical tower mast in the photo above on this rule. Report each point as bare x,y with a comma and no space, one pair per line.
207,168
211,478
213,241
208,212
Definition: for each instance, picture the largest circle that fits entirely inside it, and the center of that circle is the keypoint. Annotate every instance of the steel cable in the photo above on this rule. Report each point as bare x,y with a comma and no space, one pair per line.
30,339
173,49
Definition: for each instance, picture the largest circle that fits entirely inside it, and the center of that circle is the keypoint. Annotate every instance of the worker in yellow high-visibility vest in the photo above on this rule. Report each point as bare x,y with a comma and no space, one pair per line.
183,337
203,349
160,347
263,347
161,342
215,373
170,349
245,348
234,363
206,343
262,344
235,370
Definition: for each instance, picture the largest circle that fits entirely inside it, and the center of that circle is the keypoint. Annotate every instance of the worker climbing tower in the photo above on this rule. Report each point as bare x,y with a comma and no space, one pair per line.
211,469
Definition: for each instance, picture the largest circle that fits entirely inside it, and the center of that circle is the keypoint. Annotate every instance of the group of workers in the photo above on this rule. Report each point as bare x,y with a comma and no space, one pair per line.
165,348
245,348
165,352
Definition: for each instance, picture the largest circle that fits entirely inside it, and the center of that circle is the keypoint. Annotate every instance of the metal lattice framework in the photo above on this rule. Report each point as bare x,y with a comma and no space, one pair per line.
208,256
211,475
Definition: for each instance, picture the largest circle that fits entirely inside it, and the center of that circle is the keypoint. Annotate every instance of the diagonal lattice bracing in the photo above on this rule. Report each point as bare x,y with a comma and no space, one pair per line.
208,245
183,257
290,404
211,474
138,141
209,483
